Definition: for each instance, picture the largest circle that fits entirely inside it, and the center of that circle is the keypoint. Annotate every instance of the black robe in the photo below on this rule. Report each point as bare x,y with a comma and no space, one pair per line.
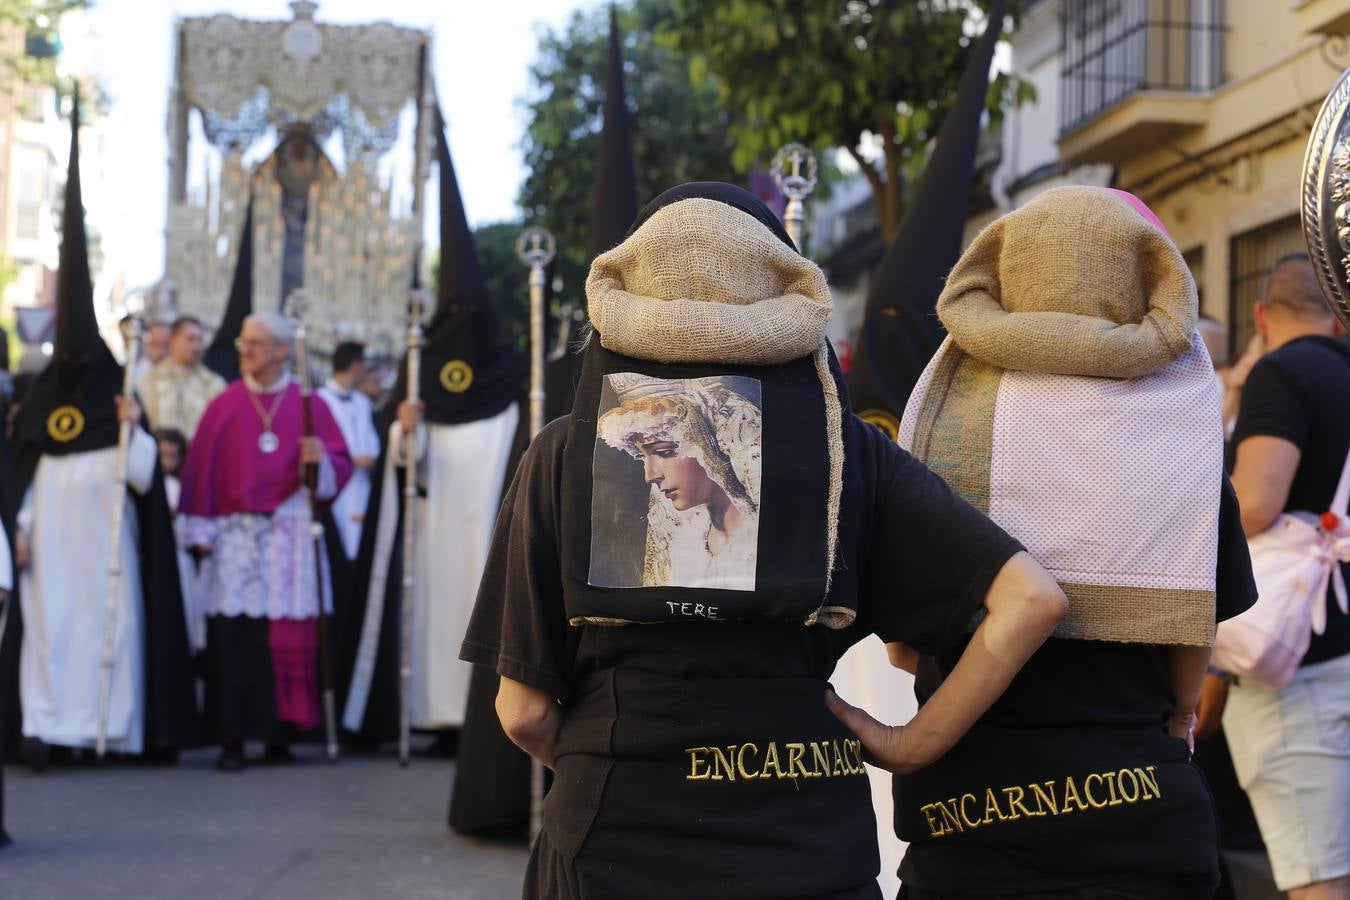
490,796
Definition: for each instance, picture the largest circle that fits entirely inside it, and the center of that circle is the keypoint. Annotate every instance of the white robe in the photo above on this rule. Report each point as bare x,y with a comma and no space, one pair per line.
866,678
67,514
355,419
462,468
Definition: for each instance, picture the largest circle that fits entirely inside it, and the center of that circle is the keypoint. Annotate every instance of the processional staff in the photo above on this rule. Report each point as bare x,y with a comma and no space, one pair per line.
134,329
794,171
419,302
297,307
536,248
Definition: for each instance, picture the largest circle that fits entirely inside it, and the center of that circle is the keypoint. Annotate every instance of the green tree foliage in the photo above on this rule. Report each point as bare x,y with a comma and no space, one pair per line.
835,73
681,132
37,20
508,281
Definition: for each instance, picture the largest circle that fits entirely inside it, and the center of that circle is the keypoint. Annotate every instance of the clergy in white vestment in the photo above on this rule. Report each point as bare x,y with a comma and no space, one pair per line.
356,419
175,390
67,458
469,390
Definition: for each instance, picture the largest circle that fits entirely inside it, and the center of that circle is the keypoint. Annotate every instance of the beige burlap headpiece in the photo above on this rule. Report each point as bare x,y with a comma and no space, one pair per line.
1075,405
1076,282
703,282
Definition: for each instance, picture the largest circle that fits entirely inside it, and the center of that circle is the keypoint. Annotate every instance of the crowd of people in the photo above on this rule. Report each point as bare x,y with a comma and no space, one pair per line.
1048,544
202,545
230,457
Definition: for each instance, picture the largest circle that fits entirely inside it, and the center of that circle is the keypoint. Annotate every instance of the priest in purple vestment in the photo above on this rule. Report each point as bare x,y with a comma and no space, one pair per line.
247,516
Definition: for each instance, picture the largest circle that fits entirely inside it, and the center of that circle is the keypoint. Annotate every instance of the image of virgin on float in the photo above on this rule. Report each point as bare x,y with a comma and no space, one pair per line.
677,473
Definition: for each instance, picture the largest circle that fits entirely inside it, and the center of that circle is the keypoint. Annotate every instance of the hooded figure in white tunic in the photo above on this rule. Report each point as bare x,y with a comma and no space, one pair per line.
67,456
466,426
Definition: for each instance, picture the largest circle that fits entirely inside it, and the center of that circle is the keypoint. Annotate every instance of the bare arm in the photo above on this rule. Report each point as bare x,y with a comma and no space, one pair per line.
530,717
1186,665
1262,476
1024,605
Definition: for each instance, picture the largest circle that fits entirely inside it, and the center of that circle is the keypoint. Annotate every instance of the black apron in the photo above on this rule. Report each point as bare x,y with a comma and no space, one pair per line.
711,788
1087,801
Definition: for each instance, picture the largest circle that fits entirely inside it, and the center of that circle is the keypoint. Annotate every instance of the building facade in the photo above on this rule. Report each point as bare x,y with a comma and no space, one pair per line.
1201,107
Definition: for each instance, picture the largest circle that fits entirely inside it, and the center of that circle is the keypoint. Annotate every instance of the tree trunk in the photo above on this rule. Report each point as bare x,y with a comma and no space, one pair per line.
887,189
878,189
894,186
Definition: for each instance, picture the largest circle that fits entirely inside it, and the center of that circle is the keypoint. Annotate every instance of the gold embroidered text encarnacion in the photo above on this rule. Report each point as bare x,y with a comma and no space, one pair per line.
750,761
1098,790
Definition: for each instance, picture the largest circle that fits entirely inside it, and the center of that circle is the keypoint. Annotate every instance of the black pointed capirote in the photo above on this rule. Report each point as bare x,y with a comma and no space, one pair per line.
900,329
83,377
462,290
466,373
77,336
222,357
615,202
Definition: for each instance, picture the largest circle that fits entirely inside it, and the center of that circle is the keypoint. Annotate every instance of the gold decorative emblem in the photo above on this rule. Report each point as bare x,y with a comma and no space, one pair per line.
65,424
883,420
456,376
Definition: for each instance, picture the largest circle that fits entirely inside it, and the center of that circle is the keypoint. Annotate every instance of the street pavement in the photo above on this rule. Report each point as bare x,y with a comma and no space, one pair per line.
364,828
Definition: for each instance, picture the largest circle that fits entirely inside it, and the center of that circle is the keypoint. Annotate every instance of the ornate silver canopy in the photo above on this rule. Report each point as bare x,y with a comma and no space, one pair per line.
344,232
247,76
1326,197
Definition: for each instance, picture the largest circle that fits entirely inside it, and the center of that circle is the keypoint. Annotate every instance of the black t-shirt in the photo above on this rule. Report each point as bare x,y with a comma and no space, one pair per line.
1301,393
1076,685
923,560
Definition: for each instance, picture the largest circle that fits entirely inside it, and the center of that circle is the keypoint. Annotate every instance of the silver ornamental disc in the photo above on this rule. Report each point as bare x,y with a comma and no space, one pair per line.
1326,197
268,442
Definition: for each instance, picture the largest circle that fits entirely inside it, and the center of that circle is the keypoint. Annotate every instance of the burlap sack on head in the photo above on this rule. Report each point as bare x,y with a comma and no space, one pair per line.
701,282
1076,282
1076,406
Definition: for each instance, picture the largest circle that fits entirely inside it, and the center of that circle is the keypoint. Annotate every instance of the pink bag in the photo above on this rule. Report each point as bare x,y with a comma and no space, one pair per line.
1292,560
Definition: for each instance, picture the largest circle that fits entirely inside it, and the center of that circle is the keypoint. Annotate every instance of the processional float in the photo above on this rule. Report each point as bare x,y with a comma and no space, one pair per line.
331,111
317,122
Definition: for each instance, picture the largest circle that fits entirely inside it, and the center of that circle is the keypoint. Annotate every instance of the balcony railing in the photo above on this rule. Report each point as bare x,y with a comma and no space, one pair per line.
1112,49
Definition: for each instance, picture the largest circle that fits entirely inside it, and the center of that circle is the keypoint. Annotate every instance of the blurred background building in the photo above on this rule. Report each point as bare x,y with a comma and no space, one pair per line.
1201,107
34,146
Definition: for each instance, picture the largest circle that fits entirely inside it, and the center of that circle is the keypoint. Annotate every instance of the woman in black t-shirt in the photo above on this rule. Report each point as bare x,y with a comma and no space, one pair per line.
1075,402
683,707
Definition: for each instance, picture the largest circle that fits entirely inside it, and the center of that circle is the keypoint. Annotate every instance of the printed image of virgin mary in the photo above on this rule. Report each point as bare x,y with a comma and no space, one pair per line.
696,446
